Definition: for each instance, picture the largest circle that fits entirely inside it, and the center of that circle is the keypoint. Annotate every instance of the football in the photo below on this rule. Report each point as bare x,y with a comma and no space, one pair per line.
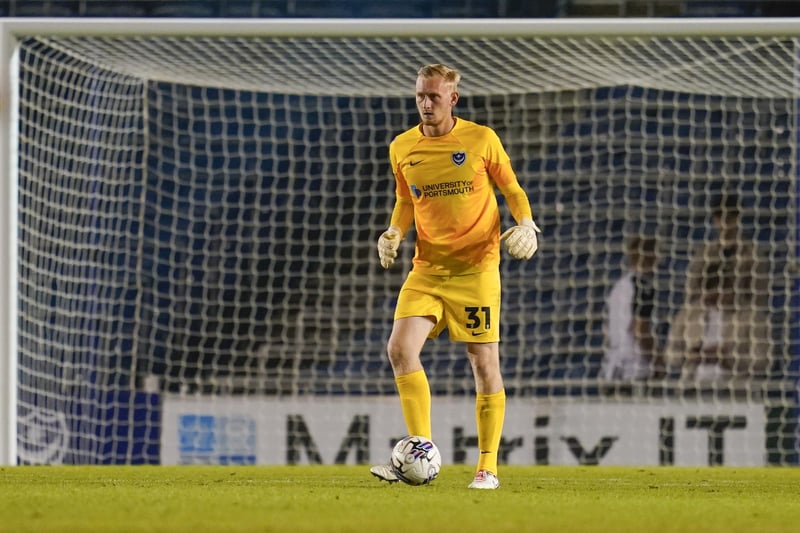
416,460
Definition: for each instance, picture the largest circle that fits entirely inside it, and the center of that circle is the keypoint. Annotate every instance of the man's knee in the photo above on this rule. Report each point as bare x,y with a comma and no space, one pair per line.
397,352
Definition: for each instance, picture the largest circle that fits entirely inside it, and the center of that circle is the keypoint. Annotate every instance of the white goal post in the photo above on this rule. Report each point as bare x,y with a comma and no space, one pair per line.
192,207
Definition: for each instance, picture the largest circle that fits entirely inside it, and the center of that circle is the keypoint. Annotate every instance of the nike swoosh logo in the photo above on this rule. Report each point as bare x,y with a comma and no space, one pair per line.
483,452
413,163
478,334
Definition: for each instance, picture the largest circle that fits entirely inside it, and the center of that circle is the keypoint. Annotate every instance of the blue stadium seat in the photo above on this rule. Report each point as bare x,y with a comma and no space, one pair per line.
465,9
721,9
114,9
390,9
193,9
323,9
40,9
253,9
240,9
272,8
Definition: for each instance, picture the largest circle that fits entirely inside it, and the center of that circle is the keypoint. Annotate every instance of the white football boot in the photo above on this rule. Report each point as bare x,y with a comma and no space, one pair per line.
485,480
384,473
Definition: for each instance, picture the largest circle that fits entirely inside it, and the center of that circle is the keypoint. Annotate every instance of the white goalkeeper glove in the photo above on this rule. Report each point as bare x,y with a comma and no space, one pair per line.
388,243
522,241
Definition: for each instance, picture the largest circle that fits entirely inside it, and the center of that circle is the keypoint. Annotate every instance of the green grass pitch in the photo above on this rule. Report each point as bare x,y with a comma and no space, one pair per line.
348,498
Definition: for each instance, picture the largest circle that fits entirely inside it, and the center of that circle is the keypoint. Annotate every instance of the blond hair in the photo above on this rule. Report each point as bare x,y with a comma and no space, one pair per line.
450,75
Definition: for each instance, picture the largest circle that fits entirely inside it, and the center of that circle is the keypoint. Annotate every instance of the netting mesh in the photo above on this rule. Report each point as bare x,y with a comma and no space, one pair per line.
745,66
203,211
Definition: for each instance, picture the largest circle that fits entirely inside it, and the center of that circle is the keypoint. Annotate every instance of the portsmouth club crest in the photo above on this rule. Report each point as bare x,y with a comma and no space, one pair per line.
459,158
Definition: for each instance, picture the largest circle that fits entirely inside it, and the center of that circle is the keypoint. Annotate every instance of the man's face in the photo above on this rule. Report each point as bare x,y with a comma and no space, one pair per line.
435,100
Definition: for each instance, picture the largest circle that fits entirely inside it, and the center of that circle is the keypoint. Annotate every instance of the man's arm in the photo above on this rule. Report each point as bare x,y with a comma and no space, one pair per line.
402,214
643,333
522,240
517,201
389,241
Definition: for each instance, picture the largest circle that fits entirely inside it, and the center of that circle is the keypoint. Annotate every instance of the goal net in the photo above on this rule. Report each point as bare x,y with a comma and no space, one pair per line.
197,218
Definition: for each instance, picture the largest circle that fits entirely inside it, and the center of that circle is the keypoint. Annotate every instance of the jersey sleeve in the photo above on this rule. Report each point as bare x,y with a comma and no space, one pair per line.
498,164
403,211
403,214
517,201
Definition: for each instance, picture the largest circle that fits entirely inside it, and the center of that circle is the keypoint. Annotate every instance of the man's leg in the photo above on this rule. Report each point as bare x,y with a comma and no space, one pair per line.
490,409
404,347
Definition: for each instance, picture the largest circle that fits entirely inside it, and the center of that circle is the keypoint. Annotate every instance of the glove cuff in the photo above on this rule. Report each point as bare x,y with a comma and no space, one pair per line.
529,223
397,230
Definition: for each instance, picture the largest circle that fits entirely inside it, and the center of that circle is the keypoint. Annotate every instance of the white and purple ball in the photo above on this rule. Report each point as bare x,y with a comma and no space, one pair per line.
416,460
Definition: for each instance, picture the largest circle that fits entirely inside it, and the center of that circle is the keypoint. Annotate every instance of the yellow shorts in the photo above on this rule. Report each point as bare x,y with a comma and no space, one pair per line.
468,306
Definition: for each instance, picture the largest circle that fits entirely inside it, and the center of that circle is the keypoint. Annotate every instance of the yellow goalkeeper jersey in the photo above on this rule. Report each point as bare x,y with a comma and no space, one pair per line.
446,186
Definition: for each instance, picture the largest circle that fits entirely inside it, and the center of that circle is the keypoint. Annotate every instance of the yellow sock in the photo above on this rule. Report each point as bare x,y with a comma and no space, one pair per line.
490,410
415,400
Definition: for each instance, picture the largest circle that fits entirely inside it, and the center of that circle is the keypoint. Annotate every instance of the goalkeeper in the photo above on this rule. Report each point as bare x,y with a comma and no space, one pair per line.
446,170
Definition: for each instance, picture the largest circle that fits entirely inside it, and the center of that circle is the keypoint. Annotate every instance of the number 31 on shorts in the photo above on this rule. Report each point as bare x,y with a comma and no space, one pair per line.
478,317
